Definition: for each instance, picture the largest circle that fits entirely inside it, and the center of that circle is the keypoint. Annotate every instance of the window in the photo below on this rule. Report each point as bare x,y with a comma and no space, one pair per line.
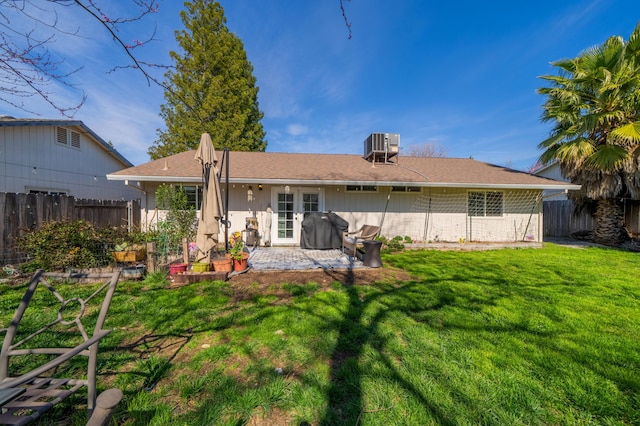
67,137
362,188
406,189
194,195
485,203
310,203
46,192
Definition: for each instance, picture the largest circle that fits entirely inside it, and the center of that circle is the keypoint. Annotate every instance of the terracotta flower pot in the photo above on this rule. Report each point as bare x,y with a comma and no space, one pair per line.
241,264
223,264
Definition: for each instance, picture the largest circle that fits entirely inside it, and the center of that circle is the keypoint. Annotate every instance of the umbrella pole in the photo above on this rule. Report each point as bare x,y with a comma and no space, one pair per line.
225,159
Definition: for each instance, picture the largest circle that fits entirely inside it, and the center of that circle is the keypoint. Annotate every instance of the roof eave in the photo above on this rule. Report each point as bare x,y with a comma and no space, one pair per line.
316,182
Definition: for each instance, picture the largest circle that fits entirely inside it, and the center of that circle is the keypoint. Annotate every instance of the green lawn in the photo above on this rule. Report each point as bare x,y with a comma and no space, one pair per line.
531,336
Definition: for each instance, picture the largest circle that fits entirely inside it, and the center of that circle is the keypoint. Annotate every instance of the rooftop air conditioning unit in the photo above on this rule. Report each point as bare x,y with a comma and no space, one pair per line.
381,146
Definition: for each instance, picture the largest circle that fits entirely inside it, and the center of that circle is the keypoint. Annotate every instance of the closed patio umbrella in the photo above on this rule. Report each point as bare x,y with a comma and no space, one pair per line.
211,207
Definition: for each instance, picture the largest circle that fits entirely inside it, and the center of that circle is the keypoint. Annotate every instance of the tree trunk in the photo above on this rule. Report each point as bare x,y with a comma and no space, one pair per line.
609,226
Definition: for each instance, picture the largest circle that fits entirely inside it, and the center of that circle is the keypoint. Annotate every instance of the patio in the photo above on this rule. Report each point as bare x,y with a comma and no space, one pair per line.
295,258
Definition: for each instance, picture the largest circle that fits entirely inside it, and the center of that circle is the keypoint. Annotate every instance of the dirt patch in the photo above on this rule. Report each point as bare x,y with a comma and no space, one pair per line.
265,281
262,283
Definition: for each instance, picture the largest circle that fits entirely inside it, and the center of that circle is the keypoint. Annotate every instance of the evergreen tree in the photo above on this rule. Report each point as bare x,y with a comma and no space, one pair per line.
212,88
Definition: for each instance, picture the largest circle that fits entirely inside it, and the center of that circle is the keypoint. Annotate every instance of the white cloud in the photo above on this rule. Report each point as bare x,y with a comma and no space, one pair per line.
297,129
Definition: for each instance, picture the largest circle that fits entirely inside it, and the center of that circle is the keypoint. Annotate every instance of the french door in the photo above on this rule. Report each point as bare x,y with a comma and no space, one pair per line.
290,207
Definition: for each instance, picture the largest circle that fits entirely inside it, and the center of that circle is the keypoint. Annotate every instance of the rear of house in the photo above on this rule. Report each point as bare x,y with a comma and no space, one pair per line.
426,199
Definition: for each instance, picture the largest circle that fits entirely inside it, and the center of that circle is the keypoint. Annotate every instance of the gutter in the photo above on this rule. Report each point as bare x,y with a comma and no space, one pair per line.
316,182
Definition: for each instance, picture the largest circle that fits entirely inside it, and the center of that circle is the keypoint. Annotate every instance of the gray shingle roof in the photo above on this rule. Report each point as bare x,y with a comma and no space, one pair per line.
340,169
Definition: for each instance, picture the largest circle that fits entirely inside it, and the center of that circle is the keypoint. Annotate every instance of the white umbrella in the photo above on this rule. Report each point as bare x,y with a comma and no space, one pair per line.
211,208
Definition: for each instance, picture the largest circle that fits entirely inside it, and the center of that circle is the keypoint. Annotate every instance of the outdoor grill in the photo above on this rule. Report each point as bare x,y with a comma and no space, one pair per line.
322,231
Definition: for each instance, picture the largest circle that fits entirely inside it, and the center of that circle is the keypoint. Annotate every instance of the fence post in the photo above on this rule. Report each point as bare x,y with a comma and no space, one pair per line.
185,250
151,257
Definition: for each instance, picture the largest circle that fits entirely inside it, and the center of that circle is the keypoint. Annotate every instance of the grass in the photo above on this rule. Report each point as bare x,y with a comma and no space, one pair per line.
506,337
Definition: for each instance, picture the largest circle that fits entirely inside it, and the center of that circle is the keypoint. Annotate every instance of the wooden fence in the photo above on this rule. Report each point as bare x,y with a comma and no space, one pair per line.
23,212
560,221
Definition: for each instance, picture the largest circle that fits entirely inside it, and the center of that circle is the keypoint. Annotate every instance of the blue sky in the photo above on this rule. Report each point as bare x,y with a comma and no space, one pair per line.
462,74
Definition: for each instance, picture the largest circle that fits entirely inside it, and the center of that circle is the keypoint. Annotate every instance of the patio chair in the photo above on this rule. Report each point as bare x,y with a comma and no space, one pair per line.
351,240
76,326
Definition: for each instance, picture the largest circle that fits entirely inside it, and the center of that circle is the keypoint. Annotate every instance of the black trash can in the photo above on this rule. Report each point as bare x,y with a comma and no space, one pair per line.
372,253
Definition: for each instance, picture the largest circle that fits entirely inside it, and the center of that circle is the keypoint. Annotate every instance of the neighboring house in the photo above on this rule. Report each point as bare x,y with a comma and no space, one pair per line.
427,199
552,171
59,157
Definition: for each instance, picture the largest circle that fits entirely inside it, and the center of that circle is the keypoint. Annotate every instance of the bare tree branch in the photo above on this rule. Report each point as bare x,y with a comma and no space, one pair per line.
427,149
27,68
346,20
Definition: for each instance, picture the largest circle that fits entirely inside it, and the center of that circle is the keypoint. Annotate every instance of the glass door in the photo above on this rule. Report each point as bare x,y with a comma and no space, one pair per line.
290,207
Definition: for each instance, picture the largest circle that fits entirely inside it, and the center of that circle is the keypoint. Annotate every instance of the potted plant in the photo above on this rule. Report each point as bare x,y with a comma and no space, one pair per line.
126,252
237,253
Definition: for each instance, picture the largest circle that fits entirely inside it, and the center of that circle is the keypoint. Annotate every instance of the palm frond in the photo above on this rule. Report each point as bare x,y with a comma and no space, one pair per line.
633,44
607,158
629,134
575,150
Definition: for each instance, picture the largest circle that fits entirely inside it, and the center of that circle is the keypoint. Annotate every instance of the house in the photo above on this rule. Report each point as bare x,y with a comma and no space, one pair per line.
552,171
427,199
59,157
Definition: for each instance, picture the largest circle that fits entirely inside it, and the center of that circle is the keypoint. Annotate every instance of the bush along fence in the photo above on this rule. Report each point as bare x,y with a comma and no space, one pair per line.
26,212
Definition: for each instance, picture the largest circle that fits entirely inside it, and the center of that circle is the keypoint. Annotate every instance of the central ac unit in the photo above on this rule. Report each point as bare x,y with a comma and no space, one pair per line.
381,146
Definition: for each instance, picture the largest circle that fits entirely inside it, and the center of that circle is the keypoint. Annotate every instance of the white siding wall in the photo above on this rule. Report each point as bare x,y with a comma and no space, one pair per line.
32,160
433,215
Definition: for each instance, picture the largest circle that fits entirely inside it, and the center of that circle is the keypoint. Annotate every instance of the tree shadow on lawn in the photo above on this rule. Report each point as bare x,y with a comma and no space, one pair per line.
367,309
355,332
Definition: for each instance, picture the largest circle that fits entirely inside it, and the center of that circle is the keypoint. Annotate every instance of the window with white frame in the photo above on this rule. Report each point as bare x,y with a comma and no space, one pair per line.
485,203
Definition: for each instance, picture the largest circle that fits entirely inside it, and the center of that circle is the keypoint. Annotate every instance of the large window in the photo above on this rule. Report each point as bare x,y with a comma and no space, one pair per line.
485,203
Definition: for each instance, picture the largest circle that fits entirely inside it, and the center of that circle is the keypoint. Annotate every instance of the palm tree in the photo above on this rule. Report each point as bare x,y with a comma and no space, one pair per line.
594,104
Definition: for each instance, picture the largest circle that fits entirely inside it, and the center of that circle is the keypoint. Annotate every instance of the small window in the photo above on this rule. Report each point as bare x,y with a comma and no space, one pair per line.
46,192
406,189
485,203
362,188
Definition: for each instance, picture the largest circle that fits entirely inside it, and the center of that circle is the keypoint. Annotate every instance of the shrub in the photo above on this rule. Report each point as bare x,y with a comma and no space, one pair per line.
394,244
181,215
72,244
